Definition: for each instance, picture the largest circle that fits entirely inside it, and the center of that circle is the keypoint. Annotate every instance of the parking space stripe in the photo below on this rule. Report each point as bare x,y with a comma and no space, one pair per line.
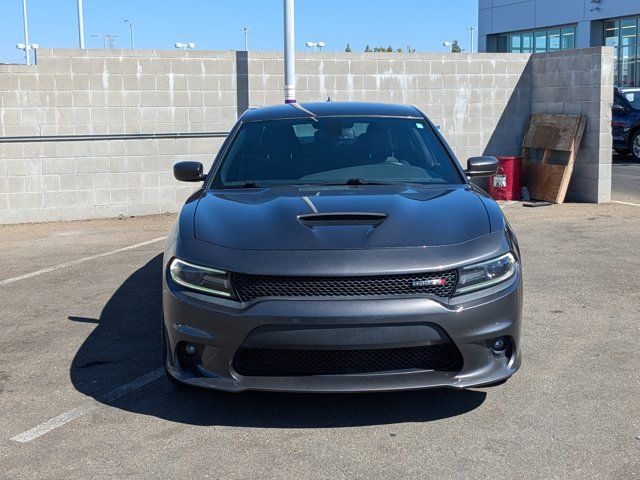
79,260
87,407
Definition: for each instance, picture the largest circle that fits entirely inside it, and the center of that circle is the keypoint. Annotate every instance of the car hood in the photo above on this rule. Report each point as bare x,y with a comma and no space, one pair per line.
412,216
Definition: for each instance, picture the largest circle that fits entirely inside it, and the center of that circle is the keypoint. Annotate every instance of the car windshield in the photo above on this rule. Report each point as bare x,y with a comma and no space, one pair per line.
633,97
335,150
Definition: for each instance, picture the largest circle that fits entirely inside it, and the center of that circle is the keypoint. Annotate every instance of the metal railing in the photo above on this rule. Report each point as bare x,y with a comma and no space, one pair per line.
111,136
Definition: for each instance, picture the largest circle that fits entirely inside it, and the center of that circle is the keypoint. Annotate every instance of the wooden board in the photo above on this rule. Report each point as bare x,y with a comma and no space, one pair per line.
544,181
551,132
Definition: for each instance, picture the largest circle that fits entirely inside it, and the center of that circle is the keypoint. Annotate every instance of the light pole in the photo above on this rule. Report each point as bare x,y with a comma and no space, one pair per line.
246,38
471,29
185,46
133,42
26,32
289,53
80,24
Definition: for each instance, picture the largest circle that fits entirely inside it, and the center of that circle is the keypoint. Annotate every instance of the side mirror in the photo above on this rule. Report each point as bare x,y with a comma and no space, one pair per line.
482,166
188,172
619,108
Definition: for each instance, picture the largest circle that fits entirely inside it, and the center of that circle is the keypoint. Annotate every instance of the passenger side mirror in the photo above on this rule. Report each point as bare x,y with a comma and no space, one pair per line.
481,166
618,108
188,172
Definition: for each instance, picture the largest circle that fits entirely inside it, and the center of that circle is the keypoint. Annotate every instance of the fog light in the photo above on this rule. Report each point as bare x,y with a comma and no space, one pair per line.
500,346
190,349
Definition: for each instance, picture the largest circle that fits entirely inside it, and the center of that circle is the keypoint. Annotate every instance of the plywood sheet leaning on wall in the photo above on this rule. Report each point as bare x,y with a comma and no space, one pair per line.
551,133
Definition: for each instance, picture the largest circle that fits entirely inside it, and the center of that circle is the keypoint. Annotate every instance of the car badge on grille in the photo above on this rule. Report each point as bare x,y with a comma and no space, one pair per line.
433,282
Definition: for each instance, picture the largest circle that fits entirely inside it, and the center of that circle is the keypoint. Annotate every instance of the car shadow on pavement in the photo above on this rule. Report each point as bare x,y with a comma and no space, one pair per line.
125,345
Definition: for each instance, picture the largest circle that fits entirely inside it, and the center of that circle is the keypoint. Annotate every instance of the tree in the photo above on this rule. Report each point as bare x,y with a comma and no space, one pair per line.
367,48
455,48
348,49
399,50
410,50
389,48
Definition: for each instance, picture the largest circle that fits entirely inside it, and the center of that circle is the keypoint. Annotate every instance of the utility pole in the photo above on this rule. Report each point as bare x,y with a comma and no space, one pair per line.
246,38
80,24
289,53
133,42
26,33
471,29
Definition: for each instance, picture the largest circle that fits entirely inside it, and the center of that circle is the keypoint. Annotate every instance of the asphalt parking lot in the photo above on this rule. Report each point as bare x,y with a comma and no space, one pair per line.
625,179
82,394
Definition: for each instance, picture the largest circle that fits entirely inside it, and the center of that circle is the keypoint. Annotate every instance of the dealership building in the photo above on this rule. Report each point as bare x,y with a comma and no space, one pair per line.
536,26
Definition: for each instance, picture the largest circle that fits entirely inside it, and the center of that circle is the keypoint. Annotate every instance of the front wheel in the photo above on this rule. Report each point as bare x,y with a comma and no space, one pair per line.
635,145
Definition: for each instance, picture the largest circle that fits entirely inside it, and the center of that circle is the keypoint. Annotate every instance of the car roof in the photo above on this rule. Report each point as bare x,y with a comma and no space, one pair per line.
330,109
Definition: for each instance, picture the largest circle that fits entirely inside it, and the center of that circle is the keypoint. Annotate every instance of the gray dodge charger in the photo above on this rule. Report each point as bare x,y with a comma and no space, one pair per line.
340,247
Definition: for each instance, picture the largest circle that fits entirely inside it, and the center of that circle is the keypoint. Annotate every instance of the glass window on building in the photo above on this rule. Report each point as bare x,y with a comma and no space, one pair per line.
611,33
624,35
538,41
553,40
541,41
568,38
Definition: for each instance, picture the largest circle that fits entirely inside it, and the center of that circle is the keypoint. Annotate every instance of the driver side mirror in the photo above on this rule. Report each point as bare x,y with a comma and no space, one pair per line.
481,166
188,172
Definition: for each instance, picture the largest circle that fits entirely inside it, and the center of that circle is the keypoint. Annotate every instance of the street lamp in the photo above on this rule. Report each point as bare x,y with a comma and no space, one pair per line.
471,29
27,48
316,45
133,43
185,46
246,38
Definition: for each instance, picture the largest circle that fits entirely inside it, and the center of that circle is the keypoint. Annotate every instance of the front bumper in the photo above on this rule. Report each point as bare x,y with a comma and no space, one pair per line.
220,327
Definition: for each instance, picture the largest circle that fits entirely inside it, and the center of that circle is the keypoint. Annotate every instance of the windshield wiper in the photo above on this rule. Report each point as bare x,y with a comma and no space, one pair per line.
353,181
251,184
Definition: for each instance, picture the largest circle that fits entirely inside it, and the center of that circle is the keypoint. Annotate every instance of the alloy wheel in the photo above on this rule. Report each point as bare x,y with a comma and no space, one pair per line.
636,146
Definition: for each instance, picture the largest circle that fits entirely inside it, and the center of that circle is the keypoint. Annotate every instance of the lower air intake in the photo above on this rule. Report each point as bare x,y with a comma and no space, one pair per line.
287,363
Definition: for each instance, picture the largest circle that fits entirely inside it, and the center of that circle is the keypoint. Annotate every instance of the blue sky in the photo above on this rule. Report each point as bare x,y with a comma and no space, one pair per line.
216,24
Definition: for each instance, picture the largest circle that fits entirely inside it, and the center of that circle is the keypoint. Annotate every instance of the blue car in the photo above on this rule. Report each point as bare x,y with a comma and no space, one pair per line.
626,121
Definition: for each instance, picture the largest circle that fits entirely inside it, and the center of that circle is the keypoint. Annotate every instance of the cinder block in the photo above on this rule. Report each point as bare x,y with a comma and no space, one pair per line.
25,200
13,216
150,180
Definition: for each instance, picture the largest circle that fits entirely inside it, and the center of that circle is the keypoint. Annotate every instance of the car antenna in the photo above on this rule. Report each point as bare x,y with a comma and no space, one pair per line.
302,109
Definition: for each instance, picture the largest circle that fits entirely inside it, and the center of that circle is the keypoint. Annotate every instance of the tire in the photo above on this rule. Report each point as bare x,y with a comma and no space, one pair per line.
635,145
164,345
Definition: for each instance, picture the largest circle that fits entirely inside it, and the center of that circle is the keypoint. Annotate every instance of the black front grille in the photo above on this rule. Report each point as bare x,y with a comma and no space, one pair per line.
266,362
249,287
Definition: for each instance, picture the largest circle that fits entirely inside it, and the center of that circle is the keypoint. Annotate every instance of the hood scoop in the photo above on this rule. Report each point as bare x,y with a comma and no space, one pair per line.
342,218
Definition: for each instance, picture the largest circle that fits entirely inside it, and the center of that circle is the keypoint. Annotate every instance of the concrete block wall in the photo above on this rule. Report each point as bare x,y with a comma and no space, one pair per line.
82,92
580,82
481,103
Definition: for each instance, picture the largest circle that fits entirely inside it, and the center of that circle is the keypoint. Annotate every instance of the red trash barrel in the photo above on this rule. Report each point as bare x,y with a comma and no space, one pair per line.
507,183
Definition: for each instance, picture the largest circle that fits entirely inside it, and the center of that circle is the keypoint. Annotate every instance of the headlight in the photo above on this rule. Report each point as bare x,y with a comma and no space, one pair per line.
486,274
202,279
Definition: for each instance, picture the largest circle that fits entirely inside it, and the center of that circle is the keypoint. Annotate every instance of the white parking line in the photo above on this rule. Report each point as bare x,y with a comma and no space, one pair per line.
87,407
626,203
79,260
